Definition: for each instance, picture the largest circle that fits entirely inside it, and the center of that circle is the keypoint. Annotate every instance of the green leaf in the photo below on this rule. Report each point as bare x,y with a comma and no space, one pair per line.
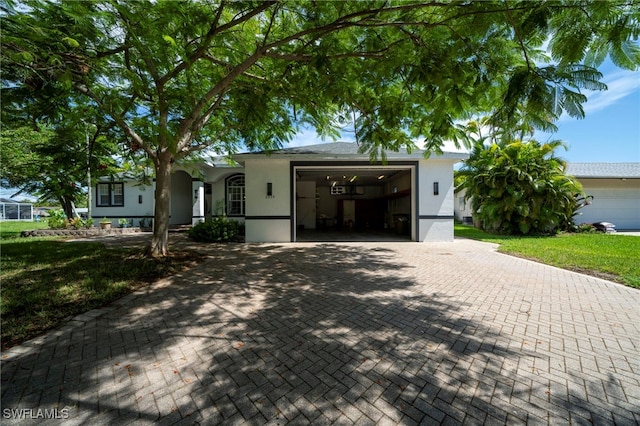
169,40
23,57
71,42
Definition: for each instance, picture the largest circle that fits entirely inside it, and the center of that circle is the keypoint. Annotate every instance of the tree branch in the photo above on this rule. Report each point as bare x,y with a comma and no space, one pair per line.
114,51
517,34
306,58
135,138
213,31
197,124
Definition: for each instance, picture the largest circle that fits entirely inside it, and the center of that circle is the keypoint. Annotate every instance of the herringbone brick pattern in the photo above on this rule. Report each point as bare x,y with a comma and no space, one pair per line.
370,333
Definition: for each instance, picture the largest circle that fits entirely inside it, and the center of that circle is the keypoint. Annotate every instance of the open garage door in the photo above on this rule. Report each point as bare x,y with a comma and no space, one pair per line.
354,203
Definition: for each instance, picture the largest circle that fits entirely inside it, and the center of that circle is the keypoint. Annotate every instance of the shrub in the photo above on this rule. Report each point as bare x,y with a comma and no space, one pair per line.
217,229
585,228
57,219
520,188
76,223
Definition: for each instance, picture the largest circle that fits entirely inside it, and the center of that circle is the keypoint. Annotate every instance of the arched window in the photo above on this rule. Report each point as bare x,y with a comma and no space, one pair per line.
235,195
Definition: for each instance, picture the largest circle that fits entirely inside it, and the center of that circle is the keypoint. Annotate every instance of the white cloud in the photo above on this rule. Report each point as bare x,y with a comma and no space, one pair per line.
620,84
448,146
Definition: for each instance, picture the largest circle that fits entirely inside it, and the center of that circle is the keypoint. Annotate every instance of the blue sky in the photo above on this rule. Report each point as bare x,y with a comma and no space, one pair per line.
610,131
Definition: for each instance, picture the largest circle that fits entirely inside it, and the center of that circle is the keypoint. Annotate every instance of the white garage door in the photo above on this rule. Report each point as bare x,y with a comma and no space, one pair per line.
618,206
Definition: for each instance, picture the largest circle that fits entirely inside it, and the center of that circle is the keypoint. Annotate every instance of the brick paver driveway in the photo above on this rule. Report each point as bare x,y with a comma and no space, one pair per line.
389,333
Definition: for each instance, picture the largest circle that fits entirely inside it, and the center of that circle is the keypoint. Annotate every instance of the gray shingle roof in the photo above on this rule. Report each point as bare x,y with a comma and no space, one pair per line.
337,148
604,170
346,149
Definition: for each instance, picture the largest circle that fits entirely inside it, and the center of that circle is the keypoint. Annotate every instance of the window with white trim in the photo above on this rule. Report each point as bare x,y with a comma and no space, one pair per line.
235,195
110,195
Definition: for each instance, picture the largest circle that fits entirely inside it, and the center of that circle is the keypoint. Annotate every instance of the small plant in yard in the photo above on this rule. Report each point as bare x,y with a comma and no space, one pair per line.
217,229
77,223
123,223
57,219
585,228
105,223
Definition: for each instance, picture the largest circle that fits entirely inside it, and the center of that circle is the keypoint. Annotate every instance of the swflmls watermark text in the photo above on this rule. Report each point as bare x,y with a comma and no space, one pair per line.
37,413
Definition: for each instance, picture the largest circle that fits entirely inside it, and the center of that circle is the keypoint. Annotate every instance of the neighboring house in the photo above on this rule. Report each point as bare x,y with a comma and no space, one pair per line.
326,187
462,208
615,188
11,209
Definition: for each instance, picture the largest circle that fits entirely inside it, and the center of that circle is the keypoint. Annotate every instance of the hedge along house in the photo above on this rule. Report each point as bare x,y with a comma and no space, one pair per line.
615,188
318,192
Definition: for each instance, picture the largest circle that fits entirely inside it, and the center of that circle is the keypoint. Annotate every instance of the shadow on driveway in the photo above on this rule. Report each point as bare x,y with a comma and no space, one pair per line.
305,333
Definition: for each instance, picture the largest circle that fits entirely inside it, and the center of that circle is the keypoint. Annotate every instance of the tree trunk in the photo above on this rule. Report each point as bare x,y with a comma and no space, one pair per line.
67,206
159,242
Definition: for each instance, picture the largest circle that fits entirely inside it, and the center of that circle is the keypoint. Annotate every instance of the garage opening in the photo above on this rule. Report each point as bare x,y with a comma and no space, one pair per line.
354,203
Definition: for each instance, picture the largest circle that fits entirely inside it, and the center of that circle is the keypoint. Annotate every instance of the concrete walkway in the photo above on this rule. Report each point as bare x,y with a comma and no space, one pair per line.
348,333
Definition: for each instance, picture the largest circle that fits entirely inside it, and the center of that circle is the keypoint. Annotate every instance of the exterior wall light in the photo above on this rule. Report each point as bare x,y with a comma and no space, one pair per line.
436,188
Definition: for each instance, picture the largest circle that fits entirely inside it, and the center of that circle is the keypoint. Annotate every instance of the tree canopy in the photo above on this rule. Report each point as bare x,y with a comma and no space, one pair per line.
180,77
49,147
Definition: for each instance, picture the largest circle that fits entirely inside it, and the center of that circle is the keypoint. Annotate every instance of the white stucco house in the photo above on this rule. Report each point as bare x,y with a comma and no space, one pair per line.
615,188
309,190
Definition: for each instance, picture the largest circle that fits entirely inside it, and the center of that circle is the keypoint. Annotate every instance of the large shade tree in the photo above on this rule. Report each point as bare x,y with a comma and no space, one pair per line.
46,162
178,77
51,146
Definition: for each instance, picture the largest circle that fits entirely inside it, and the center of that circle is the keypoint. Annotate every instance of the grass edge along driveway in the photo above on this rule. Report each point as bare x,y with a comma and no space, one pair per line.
609,256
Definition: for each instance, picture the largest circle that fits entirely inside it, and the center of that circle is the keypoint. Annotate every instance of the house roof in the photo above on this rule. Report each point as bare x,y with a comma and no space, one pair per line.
346,150
12,201
604,170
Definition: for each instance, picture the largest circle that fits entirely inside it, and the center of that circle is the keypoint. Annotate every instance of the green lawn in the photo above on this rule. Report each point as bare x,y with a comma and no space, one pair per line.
45,281
11,229
611,256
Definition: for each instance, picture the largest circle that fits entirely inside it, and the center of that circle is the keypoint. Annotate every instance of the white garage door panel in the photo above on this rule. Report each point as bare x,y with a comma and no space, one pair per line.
618,206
